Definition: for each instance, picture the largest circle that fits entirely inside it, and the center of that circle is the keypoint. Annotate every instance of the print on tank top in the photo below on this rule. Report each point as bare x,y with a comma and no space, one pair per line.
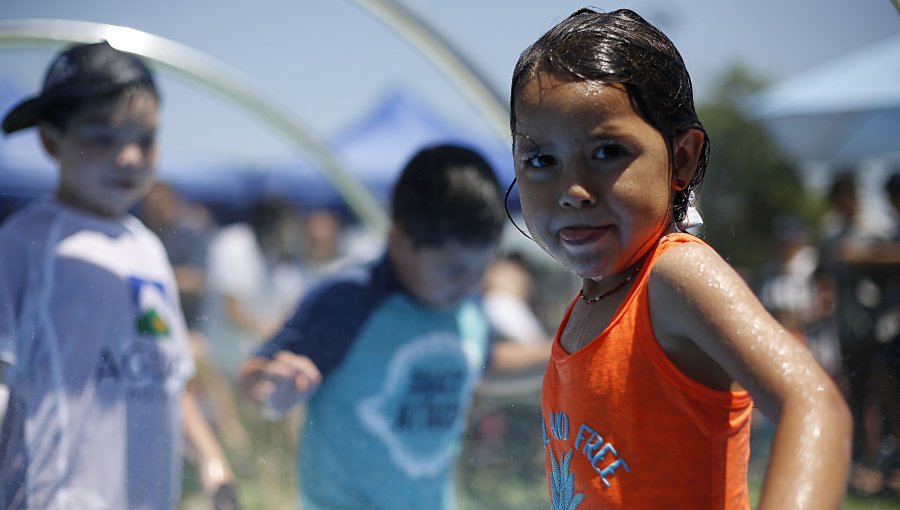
602,455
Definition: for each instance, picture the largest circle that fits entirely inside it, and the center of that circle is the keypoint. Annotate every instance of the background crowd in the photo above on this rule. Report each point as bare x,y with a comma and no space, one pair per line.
835,284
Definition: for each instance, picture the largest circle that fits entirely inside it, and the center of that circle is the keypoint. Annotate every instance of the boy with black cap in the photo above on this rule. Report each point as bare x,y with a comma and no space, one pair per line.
93,346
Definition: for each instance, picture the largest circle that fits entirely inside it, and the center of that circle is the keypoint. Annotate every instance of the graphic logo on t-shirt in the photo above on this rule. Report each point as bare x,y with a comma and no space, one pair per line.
139,364
149,300
417,412
138,361
562,483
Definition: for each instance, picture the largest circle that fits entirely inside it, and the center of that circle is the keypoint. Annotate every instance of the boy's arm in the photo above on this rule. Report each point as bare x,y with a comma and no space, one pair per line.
695,295
215,472
512,356
281,382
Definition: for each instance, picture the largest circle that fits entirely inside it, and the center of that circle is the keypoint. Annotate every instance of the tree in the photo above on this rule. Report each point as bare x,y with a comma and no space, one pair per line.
749,182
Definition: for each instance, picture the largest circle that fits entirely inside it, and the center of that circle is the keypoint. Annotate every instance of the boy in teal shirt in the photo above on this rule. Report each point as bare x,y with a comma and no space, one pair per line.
388,353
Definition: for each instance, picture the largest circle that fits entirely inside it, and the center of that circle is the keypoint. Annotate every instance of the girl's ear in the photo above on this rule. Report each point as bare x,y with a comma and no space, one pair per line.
50,138
688,146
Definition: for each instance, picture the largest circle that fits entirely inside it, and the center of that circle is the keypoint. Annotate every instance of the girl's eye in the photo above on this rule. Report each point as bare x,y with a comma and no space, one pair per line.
539,161
609,151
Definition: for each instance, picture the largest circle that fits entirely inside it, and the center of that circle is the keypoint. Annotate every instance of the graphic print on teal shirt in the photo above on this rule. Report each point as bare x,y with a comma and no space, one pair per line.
368,440
424,394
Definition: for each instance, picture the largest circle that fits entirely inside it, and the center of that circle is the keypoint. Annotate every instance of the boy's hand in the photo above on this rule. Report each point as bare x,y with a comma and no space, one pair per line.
286,381
225,498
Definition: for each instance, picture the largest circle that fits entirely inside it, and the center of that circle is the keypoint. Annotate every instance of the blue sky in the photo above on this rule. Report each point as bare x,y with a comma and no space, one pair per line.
328,62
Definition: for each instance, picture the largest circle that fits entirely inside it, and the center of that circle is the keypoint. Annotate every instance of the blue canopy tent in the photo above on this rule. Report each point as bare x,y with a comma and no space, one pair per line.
378,146
26,173
375,148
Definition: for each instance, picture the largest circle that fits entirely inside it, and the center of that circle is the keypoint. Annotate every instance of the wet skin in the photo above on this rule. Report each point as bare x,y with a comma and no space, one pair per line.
595,186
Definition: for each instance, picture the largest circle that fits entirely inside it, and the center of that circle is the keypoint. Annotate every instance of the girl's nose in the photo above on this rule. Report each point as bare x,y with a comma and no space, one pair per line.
575,195
576,186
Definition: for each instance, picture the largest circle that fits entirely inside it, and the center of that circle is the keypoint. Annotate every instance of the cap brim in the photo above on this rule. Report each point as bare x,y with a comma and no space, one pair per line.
25,115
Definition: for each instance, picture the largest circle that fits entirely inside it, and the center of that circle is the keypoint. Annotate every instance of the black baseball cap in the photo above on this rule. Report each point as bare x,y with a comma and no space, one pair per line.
82,70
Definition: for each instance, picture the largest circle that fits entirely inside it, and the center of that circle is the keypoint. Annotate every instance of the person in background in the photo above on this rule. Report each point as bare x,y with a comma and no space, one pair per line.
508,289
251,286
878,468
659,359
323,246
93,344
388,353
166,212
846,231
785,282
185,230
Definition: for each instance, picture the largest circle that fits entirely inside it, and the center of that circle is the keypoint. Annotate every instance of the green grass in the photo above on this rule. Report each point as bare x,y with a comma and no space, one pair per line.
496,471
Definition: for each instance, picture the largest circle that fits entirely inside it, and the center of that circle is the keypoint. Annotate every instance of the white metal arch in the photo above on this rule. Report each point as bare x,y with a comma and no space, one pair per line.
210,73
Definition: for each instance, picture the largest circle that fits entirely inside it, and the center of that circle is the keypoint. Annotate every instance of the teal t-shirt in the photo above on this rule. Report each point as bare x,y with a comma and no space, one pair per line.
384,428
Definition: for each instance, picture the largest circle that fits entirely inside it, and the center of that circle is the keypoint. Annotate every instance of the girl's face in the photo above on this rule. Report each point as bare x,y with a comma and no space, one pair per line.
106,154
594,177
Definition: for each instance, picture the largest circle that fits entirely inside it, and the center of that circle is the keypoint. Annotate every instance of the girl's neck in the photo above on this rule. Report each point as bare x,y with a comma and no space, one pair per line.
594,291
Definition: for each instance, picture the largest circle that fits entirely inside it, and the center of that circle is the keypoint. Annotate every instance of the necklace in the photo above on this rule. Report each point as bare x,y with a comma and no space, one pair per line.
612,291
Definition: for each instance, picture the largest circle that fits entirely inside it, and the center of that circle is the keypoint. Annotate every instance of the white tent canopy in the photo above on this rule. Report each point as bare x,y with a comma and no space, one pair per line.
844,111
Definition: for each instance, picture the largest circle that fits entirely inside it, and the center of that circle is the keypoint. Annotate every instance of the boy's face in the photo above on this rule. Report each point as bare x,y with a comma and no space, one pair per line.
106,154
439,276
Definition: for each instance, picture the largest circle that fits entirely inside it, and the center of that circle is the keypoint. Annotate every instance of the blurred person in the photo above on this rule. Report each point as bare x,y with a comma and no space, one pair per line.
785,280
821,331
388,353
846,232
798,294
323,241
252,287
165,211
508,289
185,237
880,260
660,358
93,342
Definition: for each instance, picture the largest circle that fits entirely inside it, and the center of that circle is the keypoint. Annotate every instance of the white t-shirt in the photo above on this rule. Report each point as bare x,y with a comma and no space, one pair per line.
268,291
513,319
91,328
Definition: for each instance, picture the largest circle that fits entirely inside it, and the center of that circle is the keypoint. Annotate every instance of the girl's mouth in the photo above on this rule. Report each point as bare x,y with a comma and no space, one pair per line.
578,236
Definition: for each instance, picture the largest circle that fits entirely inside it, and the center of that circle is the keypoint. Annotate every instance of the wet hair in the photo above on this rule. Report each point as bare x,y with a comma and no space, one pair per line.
63,109
265,214
621,47
448,193
842,185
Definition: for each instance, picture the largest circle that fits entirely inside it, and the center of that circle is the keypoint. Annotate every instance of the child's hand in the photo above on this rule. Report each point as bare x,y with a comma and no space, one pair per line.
286,381
218,483
225,498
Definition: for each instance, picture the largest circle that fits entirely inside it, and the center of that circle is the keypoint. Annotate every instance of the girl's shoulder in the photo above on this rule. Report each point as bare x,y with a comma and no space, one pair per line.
683,256
691,278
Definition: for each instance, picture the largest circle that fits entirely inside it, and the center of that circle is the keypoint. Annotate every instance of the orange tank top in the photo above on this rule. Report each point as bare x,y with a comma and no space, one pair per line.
624,428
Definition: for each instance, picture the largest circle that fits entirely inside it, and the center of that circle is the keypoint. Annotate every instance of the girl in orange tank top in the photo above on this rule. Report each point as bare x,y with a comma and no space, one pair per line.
647,396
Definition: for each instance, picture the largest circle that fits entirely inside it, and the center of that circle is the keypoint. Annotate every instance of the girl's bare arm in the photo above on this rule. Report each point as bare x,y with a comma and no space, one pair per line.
698,300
